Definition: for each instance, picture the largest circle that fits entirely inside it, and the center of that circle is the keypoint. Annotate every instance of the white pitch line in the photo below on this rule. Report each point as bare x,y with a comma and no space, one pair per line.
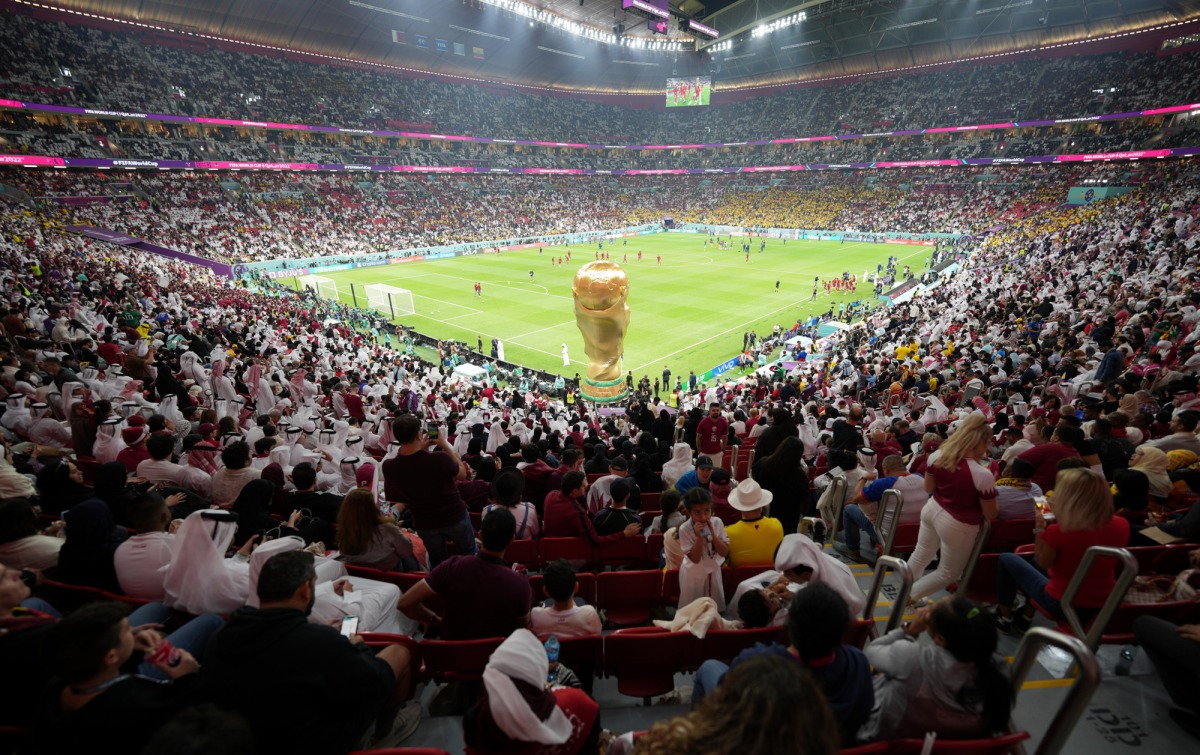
551,327
795,304
470,310
503,285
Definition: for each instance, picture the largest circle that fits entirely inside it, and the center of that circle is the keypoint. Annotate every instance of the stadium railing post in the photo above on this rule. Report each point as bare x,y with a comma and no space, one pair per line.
353,295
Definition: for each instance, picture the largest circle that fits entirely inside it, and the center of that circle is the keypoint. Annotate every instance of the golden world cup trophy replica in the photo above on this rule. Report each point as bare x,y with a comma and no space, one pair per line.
601,289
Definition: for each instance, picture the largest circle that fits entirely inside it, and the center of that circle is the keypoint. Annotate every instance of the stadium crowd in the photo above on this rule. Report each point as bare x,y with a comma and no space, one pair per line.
97,68
220,453
70,136
173,391
246,217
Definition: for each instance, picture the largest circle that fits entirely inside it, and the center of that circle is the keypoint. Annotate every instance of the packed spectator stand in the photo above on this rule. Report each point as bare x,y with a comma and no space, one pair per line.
139,391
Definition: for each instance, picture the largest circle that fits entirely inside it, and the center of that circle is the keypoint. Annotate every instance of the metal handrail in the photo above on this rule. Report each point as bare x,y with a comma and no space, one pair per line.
889,495
1088,679
981,538
840,490
882,565
1129,570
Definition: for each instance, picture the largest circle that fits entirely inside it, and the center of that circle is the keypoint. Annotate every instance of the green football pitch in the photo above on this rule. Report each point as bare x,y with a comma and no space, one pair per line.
688,312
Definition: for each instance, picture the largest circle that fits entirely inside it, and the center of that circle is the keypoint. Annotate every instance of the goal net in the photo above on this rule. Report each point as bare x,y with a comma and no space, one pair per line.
390,300
325,287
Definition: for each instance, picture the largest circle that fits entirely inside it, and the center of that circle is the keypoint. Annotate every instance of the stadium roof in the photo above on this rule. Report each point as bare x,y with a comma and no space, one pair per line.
488,39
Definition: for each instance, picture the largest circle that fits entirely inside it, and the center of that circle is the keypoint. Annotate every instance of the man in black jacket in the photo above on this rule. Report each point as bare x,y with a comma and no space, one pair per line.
304,687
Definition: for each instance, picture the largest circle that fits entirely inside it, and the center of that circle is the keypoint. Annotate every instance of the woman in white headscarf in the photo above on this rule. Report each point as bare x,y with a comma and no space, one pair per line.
517,712
679,465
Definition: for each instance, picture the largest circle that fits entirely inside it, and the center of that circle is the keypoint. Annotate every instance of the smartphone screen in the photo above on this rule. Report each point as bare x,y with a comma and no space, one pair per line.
349,626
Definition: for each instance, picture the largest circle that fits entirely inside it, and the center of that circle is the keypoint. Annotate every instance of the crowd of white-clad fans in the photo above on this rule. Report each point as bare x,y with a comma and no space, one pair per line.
139,393
144,371
248,217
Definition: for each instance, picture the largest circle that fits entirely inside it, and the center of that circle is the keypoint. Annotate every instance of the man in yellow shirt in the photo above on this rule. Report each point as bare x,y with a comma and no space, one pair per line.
752,541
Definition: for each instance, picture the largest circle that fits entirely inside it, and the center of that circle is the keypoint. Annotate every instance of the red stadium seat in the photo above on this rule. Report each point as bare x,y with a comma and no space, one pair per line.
651,501
1172,560
576,549
585,580
87,467
644,660
869,749
366,572
626,597
457,660
631,550
731,578
524,551
993,746
670,587
67,597
1007,535
724,644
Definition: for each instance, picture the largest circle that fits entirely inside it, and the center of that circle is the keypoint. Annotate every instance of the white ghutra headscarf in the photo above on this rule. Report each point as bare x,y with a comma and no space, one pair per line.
522,657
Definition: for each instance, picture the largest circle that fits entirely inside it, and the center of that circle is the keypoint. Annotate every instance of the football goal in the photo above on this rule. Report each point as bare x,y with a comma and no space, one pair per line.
390,300
325,287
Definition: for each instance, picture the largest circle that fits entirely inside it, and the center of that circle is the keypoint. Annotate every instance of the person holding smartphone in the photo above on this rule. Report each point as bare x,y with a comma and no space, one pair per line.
423,477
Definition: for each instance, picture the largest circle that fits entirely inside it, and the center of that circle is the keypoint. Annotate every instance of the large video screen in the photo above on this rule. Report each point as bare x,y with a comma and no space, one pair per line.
688,92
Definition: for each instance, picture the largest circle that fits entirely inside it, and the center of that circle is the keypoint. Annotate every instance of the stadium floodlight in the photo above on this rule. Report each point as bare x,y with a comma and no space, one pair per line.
777,24
537,15
390,301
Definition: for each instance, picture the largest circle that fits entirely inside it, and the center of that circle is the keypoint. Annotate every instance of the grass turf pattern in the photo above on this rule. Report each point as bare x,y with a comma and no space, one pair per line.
689,312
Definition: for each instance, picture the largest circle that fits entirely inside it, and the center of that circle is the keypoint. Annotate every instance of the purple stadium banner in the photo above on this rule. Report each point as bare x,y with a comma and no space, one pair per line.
121,239
17,104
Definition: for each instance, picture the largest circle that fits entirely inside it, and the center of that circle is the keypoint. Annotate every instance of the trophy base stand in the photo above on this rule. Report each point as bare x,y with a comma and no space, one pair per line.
603,391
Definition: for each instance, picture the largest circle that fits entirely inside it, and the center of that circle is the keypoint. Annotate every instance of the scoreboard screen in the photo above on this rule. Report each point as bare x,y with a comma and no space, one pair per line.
688,92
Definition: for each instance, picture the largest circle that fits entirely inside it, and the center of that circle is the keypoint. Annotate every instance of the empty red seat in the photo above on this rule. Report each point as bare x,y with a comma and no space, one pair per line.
457,660
905,540
644,660
627,597
569,548
631,550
